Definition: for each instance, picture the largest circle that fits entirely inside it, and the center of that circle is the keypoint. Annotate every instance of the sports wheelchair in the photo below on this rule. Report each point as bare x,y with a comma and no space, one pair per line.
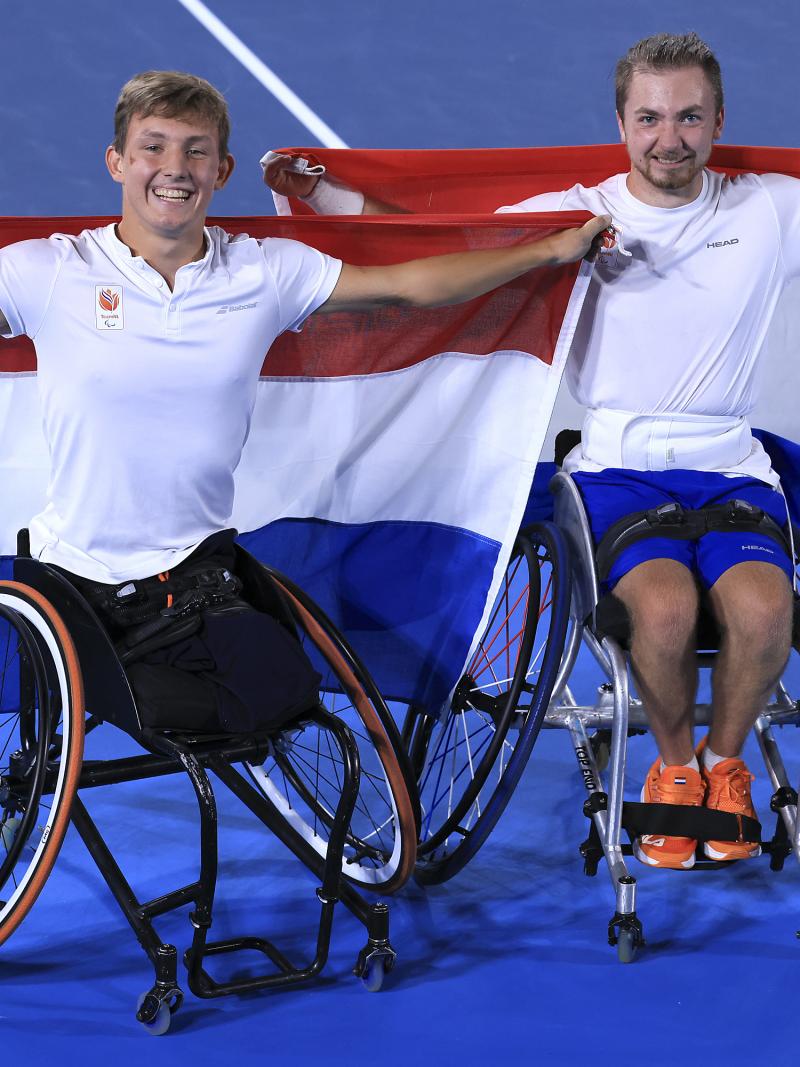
599,732
333,784
468,757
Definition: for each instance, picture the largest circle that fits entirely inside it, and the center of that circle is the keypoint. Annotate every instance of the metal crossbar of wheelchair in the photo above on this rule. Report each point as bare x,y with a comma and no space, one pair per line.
194,756
599,734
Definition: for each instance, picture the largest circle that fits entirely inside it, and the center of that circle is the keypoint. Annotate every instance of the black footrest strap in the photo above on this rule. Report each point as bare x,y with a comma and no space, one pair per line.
679,820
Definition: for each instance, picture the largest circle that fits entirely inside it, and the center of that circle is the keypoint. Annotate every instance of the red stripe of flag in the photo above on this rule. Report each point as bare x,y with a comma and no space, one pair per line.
431,182
481,180
525,315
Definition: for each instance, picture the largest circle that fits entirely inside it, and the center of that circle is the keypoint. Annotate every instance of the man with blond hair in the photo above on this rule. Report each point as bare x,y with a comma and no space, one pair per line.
665,360
147,392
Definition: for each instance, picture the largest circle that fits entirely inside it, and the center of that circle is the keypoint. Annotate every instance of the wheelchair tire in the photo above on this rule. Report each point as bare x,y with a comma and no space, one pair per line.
469,761
301,776
41,745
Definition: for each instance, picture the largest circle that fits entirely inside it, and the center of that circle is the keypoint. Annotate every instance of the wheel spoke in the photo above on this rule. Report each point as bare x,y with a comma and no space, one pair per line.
381,837
473,756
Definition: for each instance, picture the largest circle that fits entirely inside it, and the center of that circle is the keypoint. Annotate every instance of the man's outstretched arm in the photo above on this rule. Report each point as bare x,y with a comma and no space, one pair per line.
460,276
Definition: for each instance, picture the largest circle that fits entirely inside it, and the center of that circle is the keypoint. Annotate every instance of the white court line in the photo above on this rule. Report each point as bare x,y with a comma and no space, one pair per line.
261,72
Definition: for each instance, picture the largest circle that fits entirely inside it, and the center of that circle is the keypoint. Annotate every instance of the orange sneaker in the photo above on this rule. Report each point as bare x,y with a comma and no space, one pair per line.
729,790
673,785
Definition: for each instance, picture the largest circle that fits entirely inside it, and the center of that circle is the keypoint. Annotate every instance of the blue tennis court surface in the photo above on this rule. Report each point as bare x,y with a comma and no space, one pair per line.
507,963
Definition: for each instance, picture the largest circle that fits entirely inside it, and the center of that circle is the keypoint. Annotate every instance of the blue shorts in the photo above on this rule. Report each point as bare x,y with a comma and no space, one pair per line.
613,493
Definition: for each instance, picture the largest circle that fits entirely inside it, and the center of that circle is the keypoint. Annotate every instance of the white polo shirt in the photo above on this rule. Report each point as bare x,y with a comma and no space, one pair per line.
147,394
666,353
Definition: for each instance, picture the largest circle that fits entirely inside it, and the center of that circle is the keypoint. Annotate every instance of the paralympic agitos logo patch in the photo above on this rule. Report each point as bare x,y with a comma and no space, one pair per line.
108,307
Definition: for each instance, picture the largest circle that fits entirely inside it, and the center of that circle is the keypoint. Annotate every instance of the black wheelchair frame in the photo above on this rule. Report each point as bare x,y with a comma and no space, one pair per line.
196,755
169,752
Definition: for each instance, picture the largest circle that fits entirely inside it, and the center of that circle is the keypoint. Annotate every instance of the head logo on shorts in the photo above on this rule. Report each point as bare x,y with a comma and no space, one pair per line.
108,307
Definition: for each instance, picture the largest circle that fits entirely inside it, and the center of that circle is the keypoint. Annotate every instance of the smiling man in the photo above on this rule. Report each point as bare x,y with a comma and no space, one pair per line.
147,393
665,360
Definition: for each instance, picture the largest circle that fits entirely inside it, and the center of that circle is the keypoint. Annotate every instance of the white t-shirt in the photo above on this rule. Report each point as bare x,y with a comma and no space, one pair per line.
147,394
677,327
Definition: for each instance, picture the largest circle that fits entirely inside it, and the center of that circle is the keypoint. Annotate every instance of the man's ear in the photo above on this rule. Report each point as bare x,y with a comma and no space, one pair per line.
114,164
621,127
719,124
226,165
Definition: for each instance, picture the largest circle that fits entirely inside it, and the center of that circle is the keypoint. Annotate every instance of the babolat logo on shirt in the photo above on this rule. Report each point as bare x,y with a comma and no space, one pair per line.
108,307
230,308
721,244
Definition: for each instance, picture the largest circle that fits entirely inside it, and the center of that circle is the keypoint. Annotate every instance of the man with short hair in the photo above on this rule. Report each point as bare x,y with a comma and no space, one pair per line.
665,360
147,392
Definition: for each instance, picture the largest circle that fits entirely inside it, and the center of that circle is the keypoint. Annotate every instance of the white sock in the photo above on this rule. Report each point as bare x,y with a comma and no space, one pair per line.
711,759
692,763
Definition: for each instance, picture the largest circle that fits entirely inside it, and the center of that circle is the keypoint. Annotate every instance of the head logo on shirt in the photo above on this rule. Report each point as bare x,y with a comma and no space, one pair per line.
108,307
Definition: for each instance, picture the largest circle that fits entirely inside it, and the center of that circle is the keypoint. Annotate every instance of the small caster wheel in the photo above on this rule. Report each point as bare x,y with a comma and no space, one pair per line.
628,942
374,972
157,1015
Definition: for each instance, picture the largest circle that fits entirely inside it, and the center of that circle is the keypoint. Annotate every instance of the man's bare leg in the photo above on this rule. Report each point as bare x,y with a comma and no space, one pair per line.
753,605
662,599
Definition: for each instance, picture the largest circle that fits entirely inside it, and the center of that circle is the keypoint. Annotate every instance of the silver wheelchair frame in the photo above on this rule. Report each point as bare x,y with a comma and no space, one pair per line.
617,713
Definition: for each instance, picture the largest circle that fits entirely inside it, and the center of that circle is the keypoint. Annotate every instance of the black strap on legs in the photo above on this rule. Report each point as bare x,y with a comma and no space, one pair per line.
680,820
674,521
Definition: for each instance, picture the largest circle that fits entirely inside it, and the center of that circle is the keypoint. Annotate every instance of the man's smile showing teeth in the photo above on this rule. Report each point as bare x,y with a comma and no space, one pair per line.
172,194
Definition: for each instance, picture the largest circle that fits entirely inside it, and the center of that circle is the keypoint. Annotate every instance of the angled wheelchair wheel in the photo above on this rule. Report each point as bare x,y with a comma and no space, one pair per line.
41,745
302,776
469,760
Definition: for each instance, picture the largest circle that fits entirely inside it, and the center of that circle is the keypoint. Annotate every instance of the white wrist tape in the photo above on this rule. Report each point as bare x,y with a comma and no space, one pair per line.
329,197
297,164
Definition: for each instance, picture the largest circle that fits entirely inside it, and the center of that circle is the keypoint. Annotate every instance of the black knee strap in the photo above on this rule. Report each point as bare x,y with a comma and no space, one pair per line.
674,521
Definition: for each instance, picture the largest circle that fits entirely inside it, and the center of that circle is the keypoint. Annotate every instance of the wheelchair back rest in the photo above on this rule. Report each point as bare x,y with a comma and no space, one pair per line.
564,443
570,515
260,589
107,691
